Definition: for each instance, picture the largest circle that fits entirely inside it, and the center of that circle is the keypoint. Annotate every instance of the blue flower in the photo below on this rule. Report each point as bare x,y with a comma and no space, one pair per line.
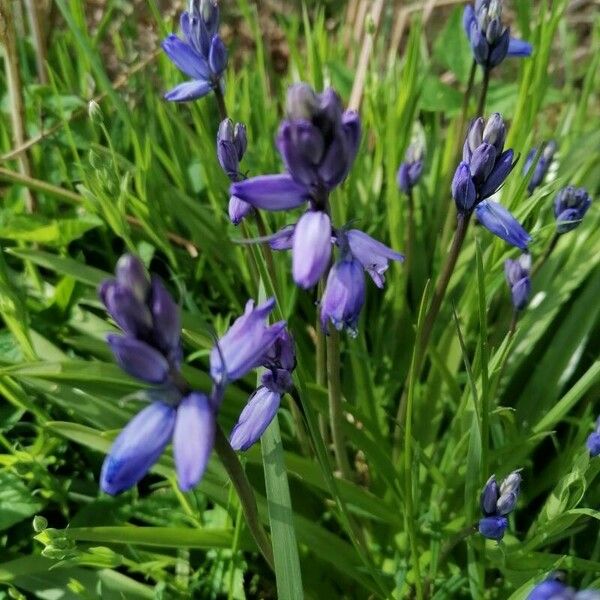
499,221
490,41
542,166
496,502
593,441
517,274
553,588
411,169
311,248
201,54
570,206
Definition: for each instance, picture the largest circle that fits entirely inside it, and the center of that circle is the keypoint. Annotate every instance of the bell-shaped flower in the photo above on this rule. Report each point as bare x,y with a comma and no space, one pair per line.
570,206
517,274
499,221
411,169
493,528
542,167
311,248
593,441
496,502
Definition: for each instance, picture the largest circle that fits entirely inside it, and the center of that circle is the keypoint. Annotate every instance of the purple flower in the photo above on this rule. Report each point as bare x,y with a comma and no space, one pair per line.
372,255
245,344
283,239
282,354
238,210
593,441
411,169
311,249
191,425
490,40
231,146
517,274
551,589
496,502
570,206
499,221
201,54
542,166
150,319
463,189
344,295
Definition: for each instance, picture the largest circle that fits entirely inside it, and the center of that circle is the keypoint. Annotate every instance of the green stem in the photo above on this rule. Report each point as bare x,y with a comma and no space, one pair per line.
336,413
220,102
245,494
546,254
484,91
410,239
321,364
467,97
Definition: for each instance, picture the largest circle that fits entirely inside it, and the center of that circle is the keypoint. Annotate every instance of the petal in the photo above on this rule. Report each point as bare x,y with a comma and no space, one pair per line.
271,192
500,49
551,590
190,90
131,315
132,274
468,18
138,359
520,293
311,248
301,146
493,528
519,48
137,448
283,239
500,222
238,210
463,189
403,178
351,127
482,162
504,165
217,57
166,316
185,58
255,418
337,161
593,444
479,45
193,439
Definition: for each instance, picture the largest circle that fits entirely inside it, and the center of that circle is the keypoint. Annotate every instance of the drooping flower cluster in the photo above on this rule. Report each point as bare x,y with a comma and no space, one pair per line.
231,147
280,362
554,588
318,142
570,206
593,441
497,501
542,166
150,350
484,168
411,169
201,54
490,40
517,274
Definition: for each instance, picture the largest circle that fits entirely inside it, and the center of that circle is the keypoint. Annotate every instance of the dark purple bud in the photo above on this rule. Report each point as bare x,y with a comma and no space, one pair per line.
190,90
277,380
518,279
245,344
552,589
493,528
255,418
494,132
139,359
283,239
282,354
372,255
227,153
238,210
301,102
240,139
479,45
463,189
519,48
337,161
489,497
496,219
217,57
403,178
193,439
131,315
328,117
474,138
570,206
502,168
493,31
301,146
271,192
137,448
351,127
482,163
344,296
132,274
311,248
410,171
500,49
186,58
166,317
593,444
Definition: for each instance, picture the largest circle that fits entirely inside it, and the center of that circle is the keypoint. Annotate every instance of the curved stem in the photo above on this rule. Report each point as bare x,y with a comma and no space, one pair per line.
244,491
484,91
336,413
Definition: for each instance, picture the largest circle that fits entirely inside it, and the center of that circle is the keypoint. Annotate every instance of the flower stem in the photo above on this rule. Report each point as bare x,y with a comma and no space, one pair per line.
484,91
546,254
467,96
321,366
245,494
220,102
410,239
336,414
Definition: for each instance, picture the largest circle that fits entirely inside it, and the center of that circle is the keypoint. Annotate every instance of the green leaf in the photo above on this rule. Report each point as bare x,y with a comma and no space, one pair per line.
452,48
16,501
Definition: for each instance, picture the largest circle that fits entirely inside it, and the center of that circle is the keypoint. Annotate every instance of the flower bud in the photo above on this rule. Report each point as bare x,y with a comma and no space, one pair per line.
489,496
494,132
301,102
463,189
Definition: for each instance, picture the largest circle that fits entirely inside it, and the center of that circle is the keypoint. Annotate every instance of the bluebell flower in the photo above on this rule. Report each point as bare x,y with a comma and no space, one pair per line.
554,588
344,295
542,166
201,54
484,168
570,206
496,502
318,142
495,218
490,41
411,169
245,344
593,441
517,274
